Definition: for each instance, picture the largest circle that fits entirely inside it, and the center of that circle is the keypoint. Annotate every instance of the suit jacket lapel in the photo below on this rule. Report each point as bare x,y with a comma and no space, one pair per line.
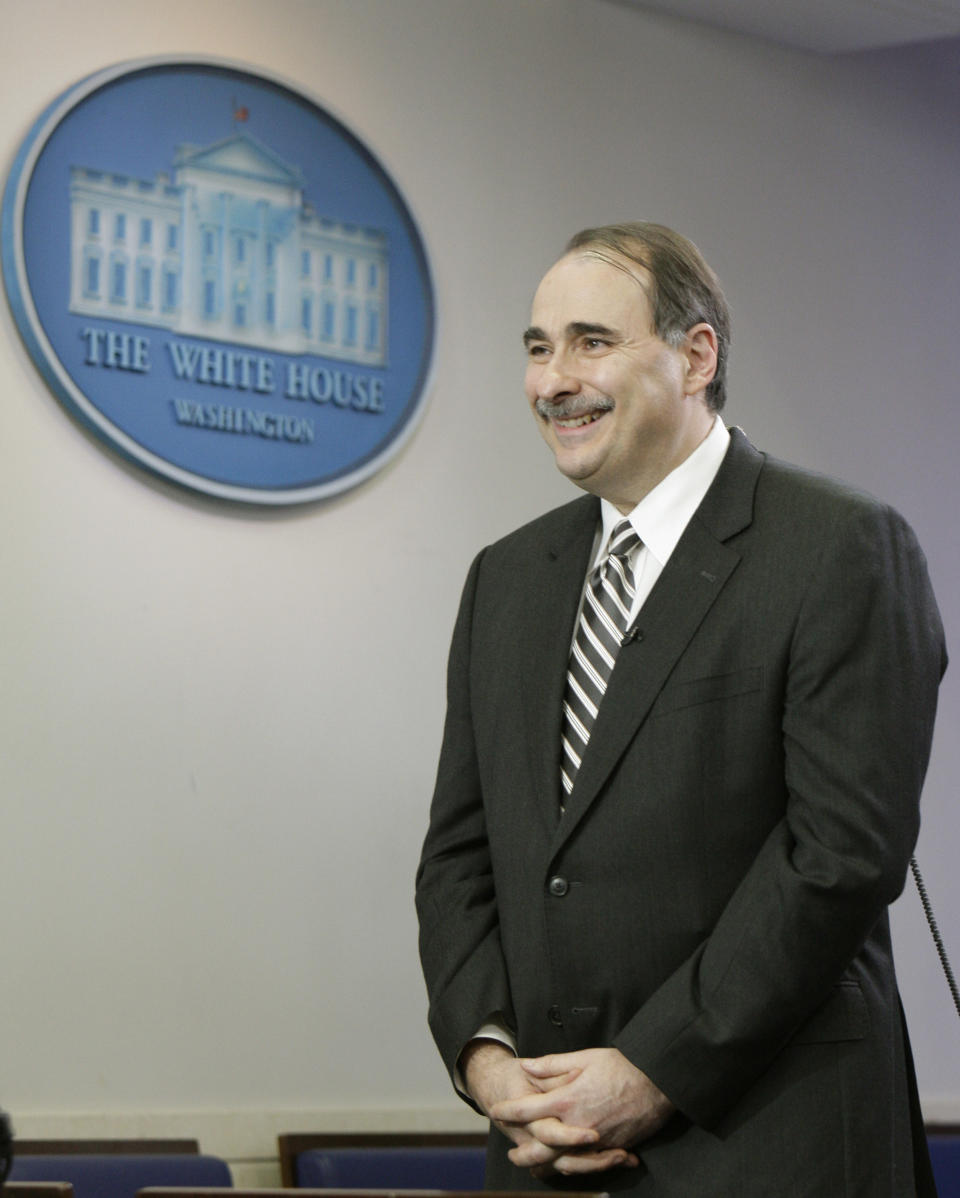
554,588
693,578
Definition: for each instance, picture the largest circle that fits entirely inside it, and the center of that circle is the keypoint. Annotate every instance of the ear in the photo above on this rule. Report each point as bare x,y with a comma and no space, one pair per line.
700,350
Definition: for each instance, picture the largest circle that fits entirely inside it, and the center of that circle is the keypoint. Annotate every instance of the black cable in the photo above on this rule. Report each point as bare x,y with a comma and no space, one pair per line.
935,932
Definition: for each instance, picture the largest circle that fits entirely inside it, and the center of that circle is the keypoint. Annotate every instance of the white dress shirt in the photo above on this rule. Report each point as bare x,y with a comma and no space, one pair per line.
660,518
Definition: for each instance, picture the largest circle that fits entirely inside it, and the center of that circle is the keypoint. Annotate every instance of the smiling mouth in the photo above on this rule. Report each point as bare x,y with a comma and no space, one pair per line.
579,421
573,411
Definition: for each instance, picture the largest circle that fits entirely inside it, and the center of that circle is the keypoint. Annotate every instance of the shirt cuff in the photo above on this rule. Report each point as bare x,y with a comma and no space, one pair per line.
493,1029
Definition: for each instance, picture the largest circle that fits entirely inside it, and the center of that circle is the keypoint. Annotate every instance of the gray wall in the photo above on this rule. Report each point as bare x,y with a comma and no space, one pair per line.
216,757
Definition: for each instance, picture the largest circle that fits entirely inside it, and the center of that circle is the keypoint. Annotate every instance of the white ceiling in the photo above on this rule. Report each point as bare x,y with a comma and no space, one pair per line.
828,26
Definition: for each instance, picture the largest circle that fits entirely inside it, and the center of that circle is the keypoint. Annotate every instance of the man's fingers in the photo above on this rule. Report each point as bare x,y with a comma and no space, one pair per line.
594,1162
555,1134
552,1065
545,1139
553,1081
535,1154
527,1108
572,1163
532,1154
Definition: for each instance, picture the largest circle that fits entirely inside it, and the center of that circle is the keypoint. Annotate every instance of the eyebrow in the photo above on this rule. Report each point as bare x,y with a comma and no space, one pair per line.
576,328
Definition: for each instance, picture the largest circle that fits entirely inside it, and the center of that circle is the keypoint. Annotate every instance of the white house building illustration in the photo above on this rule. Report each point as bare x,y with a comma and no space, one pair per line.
227,247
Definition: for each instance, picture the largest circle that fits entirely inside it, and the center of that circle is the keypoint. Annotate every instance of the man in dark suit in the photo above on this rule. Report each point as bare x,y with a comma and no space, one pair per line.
654,913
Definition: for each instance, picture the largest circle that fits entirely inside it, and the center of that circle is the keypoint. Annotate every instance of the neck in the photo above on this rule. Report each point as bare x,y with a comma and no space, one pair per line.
693,436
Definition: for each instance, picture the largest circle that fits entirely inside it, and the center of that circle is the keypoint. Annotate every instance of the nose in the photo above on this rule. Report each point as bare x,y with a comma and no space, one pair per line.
552,380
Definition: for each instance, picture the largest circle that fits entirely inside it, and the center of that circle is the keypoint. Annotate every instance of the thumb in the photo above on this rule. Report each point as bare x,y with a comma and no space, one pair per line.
556,1065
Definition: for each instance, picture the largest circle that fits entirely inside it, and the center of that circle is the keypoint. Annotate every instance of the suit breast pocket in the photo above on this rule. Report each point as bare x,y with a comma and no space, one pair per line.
708,690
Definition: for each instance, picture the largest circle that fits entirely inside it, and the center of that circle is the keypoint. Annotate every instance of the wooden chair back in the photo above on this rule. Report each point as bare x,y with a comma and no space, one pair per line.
37,1189
190,1192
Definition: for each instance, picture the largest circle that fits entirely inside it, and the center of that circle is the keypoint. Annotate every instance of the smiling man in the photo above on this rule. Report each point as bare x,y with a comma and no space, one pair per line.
620,407
688,720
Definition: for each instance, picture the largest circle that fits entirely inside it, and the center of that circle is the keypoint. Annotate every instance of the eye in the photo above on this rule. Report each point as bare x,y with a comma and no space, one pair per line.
536,350
595,343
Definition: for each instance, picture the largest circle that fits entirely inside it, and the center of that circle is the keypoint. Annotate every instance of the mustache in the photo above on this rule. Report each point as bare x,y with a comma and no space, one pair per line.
572,406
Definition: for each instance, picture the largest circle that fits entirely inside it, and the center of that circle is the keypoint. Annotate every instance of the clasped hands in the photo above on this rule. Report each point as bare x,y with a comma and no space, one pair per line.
574,1112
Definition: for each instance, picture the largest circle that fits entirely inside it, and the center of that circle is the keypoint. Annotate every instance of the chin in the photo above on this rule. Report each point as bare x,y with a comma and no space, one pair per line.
578,474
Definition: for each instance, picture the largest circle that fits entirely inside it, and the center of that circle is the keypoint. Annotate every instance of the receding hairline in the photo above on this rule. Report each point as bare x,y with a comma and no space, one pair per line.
598,252
639,245
612,257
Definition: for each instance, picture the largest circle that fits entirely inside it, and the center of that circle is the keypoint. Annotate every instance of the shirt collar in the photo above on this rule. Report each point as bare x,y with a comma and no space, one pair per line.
661,516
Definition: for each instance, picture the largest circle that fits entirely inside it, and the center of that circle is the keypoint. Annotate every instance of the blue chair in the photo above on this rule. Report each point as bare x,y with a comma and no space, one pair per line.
383,1160
425,1168
944,1145
122,1175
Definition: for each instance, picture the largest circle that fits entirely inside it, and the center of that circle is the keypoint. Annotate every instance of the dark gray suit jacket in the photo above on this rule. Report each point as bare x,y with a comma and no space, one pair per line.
713,902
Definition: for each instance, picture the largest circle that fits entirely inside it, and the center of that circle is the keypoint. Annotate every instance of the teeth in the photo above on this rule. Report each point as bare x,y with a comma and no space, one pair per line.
579,421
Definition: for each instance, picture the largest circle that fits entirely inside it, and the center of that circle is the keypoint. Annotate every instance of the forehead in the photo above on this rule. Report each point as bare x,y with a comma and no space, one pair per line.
592,285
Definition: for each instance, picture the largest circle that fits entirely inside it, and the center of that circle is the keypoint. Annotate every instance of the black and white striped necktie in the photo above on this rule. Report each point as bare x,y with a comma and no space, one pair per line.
603,620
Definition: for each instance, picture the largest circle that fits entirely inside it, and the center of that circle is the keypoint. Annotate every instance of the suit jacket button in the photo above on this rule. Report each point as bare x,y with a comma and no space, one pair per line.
558,886
555,1017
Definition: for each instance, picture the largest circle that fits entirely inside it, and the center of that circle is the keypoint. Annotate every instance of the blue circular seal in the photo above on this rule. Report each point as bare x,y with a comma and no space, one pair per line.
219,279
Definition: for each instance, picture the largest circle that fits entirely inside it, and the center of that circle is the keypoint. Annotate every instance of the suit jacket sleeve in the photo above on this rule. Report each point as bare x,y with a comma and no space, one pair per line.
865,661
456,902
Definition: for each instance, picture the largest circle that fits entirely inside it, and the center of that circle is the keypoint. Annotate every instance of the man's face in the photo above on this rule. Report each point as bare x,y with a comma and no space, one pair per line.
618,406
